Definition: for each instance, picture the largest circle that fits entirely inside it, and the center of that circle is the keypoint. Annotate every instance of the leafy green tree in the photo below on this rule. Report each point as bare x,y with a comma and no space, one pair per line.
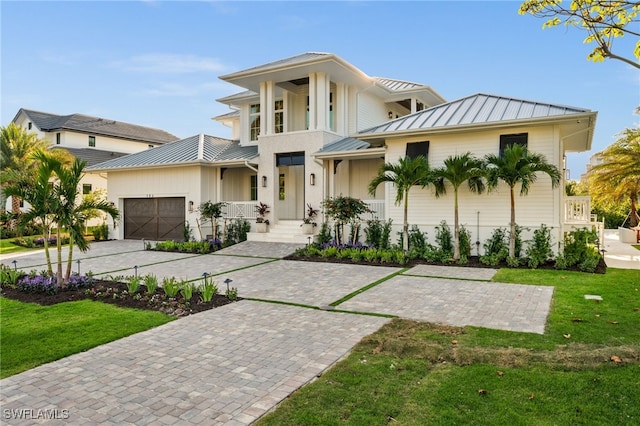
516,166
16,148
457,170
343,210
603,21
617,178
405,174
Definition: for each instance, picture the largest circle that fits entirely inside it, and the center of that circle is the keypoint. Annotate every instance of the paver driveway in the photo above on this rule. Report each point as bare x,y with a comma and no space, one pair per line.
232,364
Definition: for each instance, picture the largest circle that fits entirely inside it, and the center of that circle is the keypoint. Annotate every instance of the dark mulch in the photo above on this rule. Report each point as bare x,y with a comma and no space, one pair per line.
116,294
473,262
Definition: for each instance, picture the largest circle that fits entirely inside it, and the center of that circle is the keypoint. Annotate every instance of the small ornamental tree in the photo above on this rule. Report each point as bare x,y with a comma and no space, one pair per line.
344,210
212,212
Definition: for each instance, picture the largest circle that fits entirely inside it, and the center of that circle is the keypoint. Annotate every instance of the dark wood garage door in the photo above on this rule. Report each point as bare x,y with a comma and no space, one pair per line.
154,218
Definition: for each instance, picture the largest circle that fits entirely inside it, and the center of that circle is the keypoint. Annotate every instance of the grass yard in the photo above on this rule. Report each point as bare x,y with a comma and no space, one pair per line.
7,247
32,335
585,370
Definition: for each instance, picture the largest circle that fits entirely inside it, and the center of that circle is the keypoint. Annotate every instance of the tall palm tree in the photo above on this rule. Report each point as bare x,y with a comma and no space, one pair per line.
618,176
516,166
16,147
405,174
457,170
71,215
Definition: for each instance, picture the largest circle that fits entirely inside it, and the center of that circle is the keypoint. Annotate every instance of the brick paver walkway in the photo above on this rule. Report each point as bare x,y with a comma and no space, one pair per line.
232,364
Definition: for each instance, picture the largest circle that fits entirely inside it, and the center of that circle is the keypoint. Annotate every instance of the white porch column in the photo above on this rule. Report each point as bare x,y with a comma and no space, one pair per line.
322,100
414,105
263,108
331,177
269,107
312,102
340,110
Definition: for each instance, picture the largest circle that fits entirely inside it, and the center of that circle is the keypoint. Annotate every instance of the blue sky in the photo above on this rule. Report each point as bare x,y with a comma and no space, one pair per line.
157,63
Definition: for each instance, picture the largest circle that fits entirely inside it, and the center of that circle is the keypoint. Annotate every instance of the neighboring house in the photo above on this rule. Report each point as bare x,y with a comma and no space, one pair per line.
313,126
92,139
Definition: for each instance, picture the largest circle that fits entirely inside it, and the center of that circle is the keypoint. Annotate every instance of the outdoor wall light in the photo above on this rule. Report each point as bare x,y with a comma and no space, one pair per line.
264,181
312,179
190,206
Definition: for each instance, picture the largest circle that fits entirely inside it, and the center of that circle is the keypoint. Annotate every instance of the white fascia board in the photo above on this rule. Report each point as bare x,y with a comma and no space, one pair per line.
370,152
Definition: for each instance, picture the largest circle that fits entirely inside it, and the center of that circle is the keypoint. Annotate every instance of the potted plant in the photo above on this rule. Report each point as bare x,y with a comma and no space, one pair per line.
308,223
261,221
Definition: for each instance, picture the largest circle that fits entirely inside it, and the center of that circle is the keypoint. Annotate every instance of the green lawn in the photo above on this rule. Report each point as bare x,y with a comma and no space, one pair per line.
32,335
636,246
413,373
7,247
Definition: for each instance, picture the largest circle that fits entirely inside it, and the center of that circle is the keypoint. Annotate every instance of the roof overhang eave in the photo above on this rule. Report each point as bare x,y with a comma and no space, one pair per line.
359,153
492,125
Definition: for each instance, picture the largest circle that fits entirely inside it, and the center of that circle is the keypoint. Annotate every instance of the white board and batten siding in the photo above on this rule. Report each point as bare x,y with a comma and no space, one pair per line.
540,206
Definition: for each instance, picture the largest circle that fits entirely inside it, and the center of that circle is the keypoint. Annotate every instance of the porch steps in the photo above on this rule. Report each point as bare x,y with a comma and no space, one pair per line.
285,231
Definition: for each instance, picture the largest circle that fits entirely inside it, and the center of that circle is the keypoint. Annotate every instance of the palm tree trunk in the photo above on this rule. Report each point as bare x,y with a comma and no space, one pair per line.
633,217
60,281
512,235
405,225
15,209
456,228
69,259
45,236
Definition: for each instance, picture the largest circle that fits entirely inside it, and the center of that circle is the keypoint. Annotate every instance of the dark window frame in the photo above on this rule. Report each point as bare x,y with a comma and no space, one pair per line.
513,139
92,141
416,149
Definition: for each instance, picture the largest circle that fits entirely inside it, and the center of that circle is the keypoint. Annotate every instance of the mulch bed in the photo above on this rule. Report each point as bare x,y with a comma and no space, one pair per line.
107,289
473,262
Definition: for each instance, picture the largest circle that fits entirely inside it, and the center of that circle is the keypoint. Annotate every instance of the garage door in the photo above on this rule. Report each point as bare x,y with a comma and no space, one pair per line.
154,218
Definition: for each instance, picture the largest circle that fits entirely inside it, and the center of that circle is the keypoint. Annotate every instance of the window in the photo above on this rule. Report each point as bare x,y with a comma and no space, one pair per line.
290,159
278,118
30,125
86,188
253,191
306,117
57,138
281,193
331,120
254,122
416,149
508,140
92,141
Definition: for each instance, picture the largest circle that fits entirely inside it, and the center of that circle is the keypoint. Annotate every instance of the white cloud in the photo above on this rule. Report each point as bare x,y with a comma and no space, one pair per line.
170,64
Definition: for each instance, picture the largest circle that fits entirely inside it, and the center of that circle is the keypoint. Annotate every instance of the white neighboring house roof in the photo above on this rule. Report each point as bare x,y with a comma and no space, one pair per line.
199,149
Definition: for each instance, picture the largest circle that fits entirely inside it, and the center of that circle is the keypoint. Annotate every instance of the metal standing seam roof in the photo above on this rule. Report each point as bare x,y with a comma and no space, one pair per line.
398,85
297,59
476,109
47,122
198,148
92,156
345,144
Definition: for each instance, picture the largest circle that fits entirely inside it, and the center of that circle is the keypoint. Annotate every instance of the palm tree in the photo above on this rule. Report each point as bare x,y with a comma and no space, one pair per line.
515,166
38,191
405,174
71,215
618,176
457,170
16,147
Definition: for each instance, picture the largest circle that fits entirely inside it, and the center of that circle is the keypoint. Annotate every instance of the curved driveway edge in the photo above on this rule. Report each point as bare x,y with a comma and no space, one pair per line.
224,366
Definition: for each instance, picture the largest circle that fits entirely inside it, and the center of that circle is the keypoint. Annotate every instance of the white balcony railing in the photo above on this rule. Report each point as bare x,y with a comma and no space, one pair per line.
240,209
377,209
578,210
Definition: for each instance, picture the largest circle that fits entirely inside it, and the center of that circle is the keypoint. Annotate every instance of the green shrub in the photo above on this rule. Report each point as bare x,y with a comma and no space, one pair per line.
208,289
539,250
151,282
378,232
237,230
187,289
324,236
133,284
444,239
417,241
465,242
170,286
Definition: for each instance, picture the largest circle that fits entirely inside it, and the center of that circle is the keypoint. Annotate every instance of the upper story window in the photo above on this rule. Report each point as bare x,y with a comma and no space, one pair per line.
254,122
92,141
416,149
86,188
306,117
278,119
331,115
57,138
30,125
508,140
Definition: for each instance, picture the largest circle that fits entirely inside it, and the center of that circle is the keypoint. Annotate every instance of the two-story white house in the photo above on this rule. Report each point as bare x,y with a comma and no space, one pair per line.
314,126
92,139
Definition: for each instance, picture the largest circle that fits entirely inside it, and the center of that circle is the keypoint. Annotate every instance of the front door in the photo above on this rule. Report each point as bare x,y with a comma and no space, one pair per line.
290,179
